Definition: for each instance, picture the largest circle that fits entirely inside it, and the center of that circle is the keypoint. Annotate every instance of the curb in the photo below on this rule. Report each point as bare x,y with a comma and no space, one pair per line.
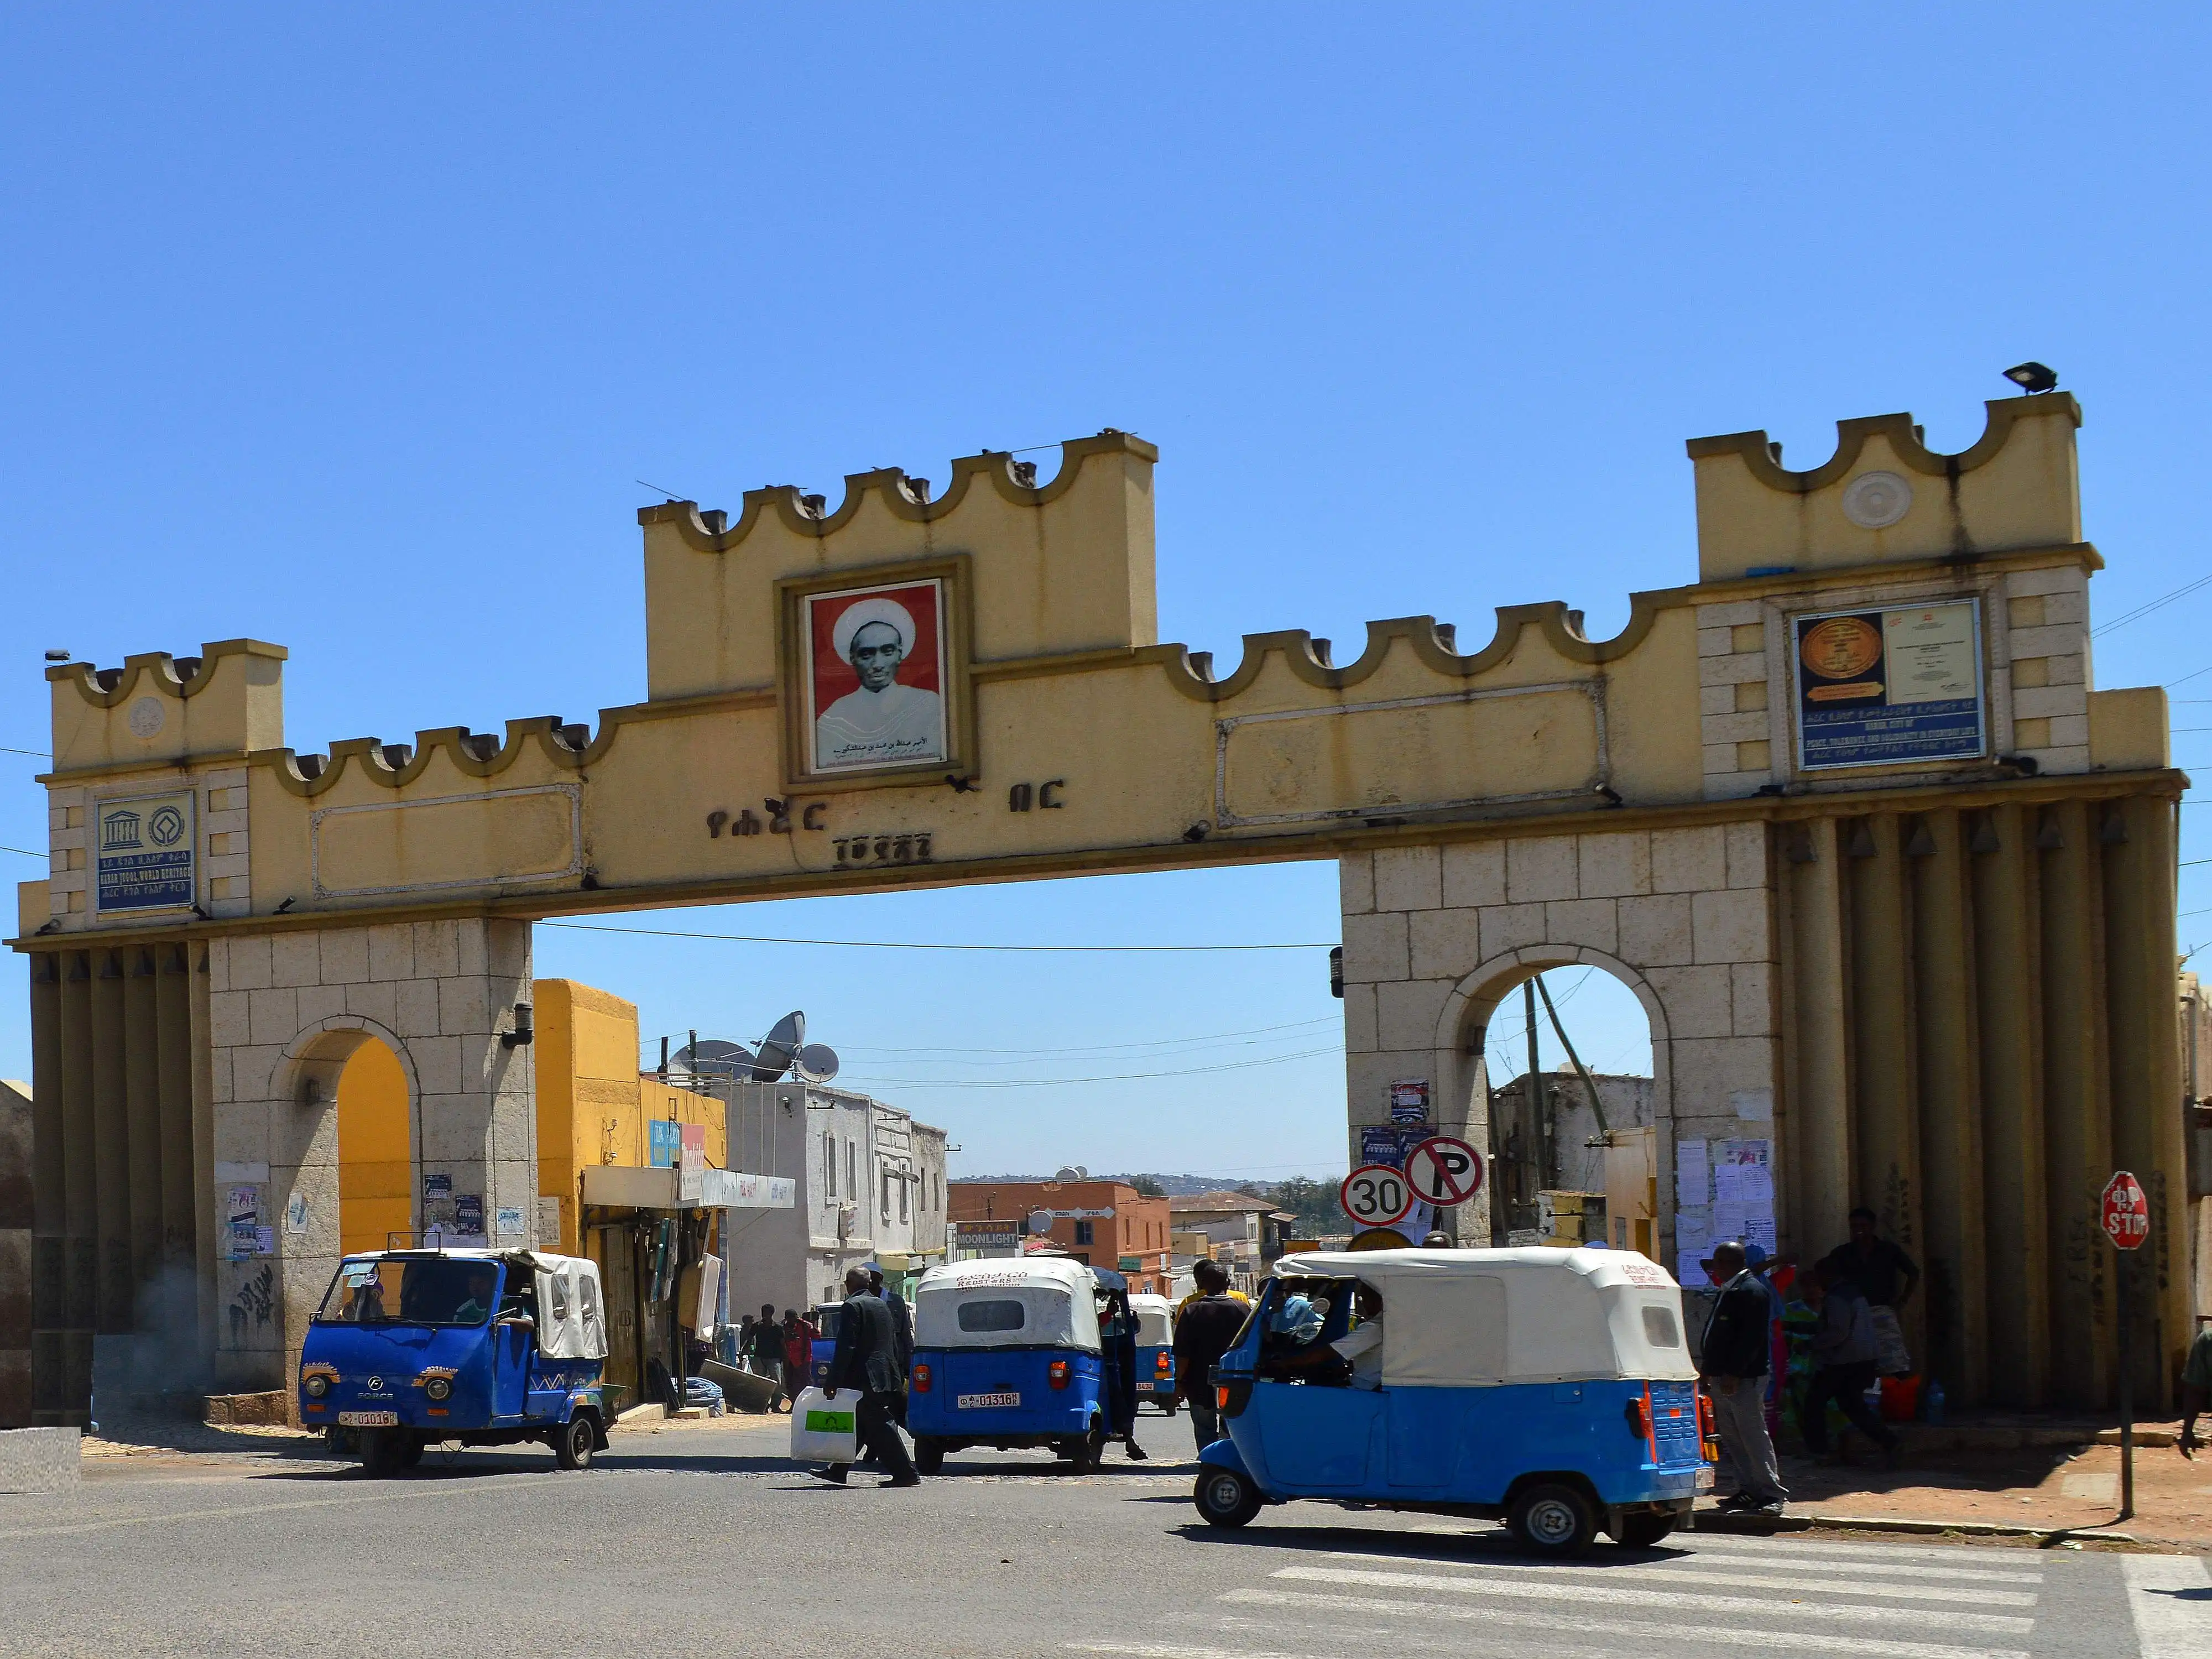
1761,1525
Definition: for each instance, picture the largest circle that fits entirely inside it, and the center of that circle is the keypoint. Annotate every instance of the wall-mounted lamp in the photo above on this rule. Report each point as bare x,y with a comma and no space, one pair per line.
523,1035
2031,376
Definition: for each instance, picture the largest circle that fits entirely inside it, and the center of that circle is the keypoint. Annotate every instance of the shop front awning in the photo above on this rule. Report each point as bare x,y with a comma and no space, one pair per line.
618,1187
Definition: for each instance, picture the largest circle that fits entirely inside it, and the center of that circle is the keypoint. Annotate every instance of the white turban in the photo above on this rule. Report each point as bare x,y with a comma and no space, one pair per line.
857,616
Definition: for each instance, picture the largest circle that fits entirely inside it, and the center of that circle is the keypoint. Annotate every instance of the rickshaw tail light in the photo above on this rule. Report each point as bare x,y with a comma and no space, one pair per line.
1707,1430
1056,1373
921,1379
1639,1419
1161,1364
1221,1396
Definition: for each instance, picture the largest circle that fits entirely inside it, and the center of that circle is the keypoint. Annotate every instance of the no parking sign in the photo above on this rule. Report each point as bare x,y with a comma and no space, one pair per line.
1444,1170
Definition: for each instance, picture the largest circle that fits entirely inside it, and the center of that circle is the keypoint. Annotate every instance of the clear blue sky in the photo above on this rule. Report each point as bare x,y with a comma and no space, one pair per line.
354,329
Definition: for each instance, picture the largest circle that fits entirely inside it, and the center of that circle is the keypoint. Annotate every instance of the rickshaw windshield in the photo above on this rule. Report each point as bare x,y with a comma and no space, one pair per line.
429,1291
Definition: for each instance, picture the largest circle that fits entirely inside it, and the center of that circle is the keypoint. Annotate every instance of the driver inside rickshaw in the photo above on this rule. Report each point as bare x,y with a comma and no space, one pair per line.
1329,1332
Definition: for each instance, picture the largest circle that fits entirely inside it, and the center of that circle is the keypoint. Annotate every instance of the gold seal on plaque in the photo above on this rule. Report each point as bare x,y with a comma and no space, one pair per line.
1840,648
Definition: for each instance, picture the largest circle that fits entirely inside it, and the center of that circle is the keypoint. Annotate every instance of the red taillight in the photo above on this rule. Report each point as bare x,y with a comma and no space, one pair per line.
1709,1434
1056,1373
1639,1419
1162,1363
921,1379
1221,1397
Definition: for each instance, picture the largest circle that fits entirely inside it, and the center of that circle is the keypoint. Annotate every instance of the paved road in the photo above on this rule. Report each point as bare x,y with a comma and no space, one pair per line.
702,1538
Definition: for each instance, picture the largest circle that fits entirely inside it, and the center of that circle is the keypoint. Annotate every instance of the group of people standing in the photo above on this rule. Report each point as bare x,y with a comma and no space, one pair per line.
1854,1292
784,1352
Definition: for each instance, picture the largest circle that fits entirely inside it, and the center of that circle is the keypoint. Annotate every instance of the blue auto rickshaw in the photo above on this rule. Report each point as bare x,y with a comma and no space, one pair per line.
1156,1371
1008,1354
1552,1389
412,1348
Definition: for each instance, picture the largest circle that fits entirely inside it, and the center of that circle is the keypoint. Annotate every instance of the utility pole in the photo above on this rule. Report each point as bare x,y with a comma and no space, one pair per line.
1537,1096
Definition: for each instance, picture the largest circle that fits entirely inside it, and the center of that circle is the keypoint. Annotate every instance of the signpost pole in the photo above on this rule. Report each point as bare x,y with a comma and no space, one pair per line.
2127,1393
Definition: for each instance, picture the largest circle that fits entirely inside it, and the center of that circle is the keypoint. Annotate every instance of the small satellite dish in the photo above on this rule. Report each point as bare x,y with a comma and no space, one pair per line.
712,1057
816,1062
1040,1221
779,1047
1071,1172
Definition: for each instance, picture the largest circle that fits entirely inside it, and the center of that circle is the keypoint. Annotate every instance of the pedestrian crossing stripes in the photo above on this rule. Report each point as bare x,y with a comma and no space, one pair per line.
1548,1588
1749,1595
1780,1577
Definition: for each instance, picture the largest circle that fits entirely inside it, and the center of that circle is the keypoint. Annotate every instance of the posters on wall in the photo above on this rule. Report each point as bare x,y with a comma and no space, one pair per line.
1889,687
1723,1189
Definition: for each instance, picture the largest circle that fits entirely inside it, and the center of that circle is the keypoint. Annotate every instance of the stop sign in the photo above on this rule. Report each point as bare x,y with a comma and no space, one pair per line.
2126,1214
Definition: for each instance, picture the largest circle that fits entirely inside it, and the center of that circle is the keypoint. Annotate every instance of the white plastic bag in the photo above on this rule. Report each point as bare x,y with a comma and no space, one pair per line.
823,1429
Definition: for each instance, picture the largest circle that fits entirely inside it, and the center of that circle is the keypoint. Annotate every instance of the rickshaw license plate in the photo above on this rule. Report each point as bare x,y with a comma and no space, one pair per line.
966,1401
1705,1478
368,1419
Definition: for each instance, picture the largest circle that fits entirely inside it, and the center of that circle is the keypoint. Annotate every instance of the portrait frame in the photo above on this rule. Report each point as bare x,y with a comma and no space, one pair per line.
800,682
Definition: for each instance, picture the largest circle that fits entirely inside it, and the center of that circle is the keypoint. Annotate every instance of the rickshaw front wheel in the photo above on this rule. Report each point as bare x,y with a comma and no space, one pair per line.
573,1446
1225,1498
1551,1518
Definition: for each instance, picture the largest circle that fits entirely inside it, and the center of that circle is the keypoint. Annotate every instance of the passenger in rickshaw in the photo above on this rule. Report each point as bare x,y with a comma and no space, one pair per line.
1362,1346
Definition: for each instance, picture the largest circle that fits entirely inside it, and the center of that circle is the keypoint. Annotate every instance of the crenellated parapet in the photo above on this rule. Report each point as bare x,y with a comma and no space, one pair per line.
1885,496
1031,722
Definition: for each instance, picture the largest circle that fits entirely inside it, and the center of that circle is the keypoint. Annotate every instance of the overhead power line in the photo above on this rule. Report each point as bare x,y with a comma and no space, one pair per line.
904,944
2143,610
1062,1082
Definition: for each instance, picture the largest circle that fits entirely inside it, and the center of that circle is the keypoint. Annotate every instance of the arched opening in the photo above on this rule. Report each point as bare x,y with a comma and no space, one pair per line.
1568,1075
375,1156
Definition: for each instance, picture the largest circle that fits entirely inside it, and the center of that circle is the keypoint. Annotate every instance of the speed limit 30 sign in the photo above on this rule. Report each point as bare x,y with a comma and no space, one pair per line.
1374,1195
1444,1170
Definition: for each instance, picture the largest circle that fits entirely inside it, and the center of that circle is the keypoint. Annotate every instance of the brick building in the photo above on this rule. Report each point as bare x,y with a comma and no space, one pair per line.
1102,1223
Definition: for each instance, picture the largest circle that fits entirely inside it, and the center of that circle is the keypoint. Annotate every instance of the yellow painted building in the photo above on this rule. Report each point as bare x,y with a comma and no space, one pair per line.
594,1103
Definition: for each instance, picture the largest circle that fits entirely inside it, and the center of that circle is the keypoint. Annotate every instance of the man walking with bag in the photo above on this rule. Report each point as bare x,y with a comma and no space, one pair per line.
1735,1365
867,1359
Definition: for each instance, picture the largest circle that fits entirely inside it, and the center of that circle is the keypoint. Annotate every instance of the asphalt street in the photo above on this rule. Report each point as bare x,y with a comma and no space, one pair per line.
704,1538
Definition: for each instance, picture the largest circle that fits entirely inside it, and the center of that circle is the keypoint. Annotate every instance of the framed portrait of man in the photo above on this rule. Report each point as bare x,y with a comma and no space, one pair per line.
878,669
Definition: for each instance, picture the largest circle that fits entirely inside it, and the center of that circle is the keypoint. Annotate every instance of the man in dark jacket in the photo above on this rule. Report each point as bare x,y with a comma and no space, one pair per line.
867,1358
1205,1330
901,1327
1735,1367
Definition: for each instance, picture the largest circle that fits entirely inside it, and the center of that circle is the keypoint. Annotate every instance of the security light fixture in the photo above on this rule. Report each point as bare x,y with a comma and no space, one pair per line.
57,656
2031,376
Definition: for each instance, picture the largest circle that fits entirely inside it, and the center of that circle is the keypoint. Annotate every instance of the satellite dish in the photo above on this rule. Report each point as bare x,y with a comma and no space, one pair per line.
1040,1221
816,1062
779,1047
1071,1172
712,1057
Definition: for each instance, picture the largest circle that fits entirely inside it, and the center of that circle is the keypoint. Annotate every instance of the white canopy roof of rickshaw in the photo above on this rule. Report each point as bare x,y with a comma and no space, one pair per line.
1155,1319
1056,1295
1462,1318
572,1306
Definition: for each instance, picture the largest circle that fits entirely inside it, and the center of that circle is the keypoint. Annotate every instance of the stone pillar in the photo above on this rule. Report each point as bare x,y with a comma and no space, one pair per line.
286,1010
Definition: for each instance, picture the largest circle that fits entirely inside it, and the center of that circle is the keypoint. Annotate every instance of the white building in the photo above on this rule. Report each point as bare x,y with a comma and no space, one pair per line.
870,1187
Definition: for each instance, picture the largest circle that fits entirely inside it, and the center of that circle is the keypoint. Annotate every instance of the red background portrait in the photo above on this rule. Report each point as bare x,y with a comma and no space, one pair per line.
923,666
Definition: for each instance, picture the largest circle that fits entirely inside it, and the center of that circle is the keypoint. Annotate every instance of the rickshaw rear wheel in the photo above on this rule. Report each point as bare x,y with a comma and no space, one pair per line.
928,1455
409,1452
1225,1499
1551,1518
573,1446
1641,1532
1085,1453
